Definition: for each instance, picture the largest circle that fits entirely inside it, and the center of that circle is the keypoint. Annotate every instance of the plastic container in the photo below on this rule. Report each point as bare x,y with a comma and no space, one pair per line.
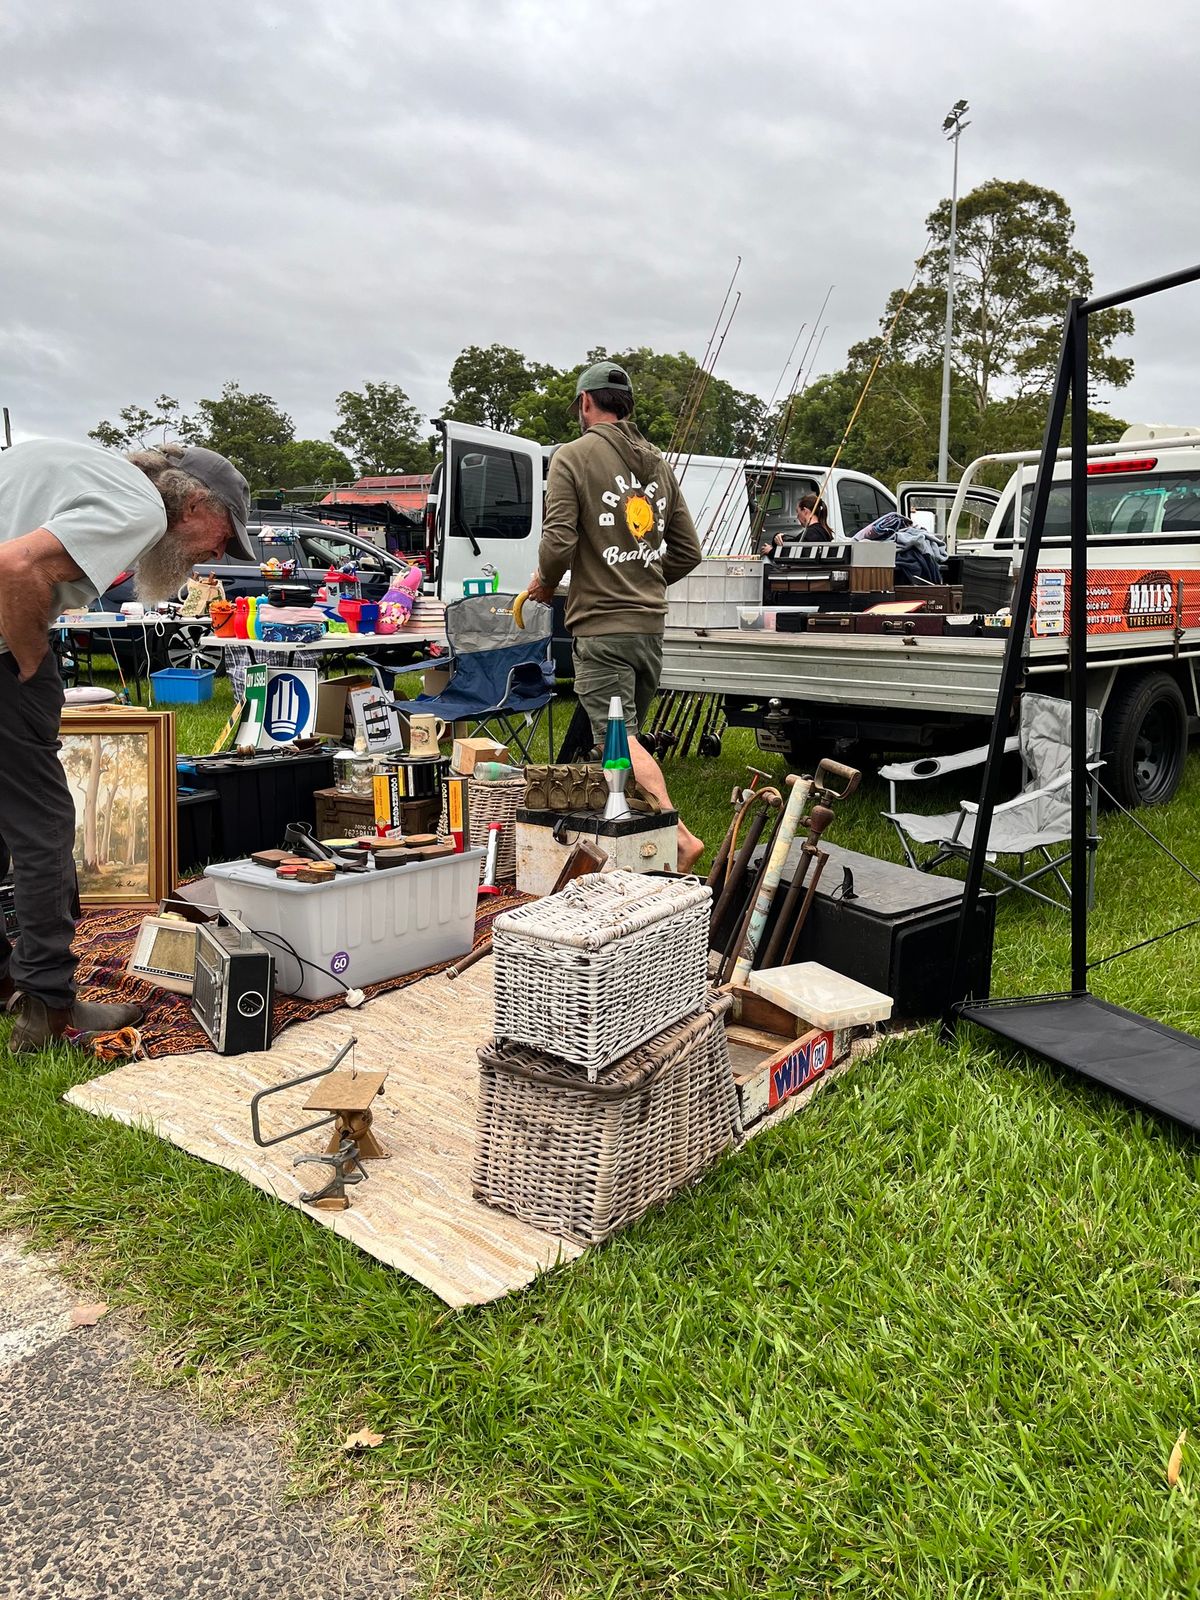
713,594
361,928
182,685
821,996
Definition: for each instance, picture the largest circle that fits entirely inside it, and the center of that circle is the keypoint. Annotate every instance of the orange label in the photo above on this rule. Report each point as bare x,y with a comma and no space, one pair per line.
1119,600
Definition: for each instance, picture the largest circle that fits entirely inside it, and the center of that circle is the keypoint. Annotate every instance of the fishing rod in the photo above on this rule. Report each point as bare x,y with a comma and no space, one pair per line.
672,447
884,347
785,424
752,446
777,431
702,390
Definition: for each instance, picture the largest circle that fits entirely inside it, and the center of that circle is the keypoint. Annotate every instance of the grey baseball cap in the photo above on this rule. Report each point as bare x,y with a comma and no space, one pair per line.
222,479
602,375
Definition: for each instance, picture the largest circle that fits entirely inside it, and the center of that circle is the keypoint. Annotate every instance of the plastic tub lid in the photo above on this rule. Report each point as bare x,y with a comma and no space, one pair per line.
821,996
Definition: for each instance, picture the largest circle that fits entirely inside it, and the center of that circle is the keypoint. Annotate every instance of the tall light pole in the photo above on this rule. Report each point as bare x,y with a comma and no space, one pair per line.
952,128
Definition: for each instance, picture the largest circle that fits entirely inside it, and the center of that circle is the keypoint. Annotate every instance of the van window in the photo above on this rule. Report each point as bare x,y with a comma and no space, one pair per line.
858,503
1122,505
493,493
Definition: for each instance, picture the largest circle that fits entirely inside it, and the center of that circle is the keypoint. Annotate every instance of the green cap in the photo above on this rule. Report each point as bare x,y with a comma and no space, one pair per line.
603,375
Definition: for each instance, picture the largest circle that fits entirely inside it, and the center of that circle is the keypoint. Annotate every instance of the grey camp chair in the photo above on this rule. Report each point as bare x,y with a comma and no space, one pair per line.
1035,826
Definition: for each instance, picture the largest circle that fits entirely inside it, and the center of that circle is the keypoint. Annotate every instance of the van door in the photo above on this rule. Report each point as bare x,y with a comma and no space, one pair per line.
489,510
928,505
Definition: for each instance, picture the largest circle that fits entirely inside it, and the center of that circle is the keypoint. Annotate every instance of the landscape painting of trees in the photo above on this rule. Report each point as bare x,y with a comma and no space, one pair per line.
117,770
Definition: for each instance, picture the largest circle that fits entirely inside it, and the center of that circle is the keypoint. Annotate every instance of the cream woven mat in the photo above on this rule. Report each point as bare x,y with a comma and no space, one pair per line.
415,1211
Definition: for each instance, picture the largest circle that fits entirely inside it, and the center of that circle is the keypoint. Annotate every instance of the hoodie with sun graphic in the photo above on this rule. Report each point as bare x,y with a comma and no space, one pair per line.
616,518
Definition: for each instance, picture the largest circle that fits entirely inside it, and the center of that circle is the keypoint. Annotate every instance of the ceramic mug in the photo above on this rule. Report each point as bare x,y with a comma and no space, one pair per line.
425,733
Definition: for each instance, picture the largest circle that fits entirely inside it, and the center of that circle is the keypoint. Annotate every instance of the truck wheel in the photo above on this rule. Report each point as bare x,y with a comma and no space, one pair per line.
1145,741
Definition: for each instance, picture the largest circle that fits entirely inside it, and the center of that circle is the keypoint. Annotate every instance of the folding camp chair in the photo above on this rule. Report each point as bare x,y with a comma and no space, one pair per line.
1036,824
501,676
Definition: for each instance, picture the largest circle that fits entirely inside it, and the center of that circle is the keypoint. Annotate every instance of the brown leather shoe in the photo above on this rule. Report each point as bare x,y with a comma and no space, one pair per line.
37,1025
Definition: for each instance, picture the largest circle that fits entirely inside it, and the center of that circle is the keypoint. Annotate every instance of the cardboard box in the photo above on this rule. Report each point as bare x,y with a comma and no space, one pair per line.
334,719
468,753
775,1055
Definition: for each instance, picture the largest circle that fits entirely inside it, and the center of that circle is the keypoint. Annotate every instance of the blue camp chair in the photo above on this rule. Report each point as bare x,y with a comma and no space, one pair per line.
501,676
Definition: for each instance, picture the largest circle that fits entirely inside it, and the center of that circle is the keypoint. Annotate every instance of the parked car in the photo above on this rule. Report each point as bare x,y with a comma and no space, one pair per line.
285,535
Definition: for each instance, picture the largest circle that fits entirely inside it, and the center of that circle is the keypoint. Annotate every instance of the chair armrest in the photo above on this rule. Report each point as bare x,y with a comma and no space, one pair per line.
938,766
971,807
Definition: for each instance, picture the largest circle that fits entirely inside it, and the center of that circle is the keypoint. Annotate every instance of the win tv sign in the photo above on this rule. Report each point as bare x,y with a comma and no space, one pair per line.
801,1066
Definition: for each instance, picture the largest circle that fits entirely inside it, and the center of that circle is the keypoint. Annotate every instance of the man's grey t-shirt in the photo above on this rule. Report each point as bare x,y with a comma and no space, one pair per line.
102,509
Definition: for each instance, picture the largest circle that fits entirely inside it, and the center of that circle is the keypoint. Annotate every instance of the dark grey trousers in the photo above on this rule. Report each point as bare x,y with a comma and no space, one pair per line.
37,832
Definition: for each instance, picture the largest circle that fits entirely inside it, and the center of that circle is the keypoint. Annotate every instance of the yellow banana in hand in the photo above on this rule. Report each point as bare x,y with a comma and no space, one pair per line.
518,608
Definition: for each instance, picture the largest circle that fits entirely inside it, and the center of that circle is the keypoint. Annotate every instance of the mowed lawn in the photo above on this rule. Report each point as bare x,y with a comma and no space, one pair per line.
935,1337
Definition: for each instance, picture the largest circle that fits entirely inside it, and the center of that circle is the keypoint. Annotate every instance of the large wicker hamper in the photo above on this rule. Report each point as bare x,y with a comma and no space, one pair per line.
612,959
583,1158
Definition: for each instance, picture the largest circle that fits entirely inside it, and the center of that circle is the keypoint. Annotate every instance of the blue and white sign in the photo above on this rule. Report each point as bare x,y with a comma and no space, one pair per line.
291,708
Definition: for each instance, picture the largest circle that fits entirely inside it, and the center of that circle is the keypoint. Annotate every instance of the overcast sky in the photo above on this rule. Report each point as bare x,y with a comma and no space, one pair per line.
304,196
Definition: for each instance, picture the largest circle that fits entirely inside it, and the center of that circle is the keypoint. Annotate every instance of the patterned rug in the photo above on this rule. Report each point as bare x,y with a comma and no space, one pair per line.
104,940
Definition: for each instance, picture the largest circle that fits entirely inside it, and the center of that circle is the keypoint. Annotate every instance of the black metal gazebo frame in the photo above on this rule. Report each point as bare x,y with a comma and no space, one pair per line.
1143,1060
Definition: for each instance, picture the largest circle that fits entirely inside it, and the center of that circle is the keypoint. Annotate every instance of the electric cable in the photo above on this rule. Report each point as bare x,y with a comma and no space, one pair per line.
1154,938
293,994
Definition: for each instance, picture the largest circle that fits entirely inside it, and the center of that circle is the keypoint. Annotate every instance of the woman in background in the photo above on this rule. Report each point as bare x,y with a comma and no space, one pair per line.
812,516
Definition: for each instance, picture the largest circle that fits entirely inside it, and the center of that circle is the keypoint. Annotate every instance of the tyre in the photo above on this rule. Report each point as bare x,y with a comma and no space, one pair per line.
182,649
1145,741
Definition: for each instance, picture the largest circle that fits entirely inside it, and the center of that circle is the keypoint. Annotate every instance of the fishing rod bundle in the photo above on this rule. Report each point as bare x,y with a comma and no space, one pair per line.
747,928
682,722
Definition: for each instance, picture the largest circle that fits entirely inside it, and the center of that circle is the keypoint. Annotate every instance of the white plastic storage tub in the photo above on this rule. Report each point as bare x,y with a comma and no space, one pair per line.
712,594
360,928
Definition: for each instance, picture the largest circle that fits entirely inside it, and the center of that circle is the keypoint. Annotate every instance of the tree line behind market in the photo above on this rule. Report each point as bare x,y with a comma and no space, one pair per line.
1017,265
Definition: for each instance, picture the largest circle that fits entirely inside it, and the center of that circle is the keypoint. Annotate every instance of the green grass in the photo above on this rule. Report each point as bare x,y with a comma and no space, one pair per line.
935,1337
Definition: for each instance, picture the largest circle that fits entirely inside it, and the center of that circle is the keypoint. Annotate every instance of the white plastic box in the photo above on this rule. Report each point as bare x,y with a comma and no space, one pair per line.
712,594
360,928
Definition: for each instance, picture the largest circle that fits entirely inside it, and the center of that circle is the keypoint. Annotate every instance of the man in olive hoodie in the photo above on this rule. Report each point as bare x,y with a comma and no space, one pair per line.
616,518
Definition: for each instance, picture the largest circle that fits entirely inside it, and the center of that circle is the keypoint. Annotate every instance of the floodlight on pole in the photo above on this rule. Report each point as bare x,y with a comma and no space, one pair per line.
952,127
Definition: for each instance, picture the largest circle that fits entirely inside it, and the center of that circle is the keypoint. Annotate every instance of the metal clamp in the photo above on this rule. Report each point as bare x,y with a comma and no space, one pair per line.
341,1160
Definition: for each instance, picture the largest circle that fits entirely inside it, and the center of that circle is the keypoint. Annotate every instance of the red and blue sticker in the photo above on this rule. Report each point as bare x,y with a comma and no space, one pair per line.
800,1067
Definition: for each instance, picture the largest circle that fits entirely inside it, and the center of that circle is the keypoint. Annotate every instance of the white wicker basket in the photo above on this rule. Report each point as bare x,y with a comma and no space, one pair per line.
612,959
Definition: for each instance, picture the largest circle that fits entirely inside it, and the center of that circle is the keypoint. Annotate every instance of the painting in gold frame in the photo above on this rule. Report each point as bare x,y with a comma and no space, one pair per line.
120,766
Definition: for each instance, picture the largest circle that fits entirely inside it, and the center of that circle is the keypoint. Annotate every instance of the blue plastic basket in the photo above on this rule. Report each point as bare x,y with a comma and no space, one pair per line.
182,685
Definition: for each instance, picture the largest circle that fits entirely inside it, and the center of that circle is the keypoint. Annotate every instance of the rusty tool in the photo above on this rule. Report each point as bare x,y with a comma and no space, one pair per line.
739,799
785,833
794,907
763,802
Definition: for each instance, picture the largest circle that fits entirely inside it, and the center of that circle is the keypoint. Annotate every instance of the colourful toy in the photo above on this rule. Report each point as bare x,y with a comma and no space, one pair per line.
397,604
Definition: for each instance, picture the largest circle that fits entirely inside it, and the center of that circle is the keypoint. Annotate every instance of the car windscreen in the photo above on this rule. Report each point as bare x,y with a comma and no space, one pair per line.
1121,505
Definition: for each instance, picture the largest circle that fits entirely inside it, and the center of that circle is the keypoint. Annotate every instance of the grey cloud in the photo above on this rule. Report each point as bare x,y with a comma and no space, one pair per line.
300,197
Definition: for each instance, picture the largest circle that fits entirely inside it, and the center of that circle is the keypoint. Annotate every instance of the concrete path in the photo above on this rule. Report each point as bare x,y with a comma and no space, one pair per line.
110,1489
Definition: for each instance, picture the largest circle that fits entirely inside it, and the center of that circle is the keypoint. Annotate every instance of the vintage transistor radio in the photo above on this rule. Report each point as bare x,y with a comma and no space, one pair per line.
233,989
8,909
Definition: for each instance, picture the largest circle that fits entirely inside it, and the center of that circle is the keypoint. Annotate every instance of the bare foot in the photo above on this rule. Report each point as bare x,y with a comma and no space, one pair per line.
690,848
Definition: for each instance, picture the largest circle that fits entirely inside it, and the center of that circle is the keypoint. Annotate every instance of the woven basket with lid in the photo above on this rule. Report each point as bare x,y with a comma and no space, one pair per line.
612,959
583,1158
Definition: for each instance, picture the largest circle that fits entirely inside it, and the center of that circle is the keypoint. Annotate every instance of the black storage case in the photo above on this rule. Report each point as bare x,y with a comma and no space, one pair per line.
896,934
257,796
196,810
